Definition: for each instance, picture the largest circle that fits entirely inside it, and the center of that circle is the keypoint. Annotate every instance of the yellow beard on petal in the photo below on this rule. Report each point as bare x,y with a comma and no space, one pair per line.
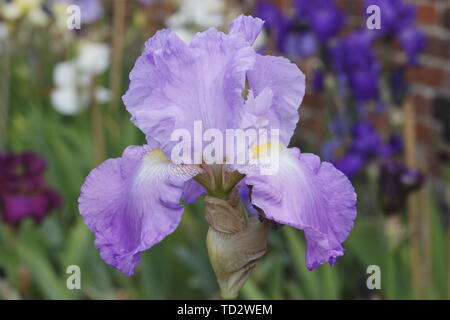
156,155
266,149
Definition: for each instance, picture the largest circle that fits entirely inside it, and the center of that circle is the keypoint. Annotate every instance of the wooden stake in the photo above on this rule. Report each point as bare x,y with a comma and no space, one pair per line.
410,160
117,53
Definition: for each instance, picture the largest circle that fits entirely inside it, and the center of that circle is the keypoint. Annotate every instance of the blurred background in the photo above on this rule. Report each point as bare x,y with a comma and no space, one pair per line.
377,105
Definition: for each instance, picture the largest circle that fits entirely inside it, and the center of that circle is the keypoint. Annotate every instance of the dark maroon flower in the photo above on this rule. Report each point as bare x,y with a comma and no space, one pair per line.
396,182
23,191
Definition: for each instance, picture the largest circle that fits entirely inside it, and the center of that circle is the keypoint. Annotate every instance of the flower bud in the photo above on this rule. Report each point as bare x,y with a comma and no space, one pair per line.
235,243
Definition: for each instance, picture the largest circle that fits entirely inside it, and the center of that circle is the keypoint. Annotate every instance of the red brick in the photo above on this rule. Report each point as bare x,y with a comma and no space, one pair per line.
380,121
446,18
447,78
427,133
422,105
312,99
426,75
438,47
427,14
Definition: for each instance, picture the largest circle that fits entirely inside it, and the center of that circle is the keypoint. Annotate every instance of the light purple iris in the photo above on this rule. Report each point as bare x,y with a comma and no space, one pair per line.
133,202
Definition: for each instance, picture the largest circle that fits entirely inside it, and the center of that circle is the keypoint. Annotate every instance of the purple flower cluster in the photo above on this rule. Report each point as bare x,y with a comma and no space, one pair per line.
366,144
313,23
323,16
351,58
356,66
398,21
23,191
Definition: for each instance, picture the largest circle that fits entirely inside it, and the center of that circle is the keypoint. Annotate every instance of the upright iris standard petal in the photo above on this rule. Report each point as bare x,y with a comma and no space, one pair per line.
132,203
174,84
310,195
247,28
287,85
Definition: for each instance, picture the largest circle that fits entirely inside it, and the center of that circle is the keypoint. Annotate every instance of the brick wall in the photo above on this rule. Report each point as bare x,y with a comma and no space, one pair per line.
431,80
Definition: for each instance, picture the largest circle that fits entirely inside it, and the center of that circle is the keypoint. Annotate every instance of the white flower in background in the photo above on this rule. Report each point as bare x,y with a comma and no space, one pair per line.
10,11
184,34
65,74
93,57
194,15
202,13
30,9
69,101
73,79
102,95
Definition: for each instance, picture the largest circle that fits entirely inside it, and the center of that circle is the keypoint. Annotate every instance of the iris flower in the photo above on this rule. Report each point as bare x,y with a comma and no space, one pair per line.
133,202
24,193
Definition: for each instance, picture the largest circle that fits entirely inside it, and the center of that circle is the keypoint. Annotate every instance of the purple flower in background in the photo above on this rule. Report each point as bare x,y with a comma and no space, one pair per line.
355,63
398,21
300,44
394,146
132,202
366,144
91,10
313,24
365,139
323,16
351,164
274,20
413,42
396,182
318,81
394,15
398,85
23,191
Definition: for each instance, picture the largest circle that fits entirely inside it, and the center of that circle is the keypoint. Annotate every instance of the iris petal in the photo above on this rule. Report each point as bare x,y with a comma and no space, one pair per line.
174,84
132,203
246,27
287,86
192,190
310,195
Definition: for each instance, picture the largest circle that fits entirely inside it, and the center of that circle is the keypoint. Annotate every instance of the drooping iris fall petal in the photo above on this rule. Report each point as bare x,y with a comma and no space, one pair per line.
310,195
132,203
